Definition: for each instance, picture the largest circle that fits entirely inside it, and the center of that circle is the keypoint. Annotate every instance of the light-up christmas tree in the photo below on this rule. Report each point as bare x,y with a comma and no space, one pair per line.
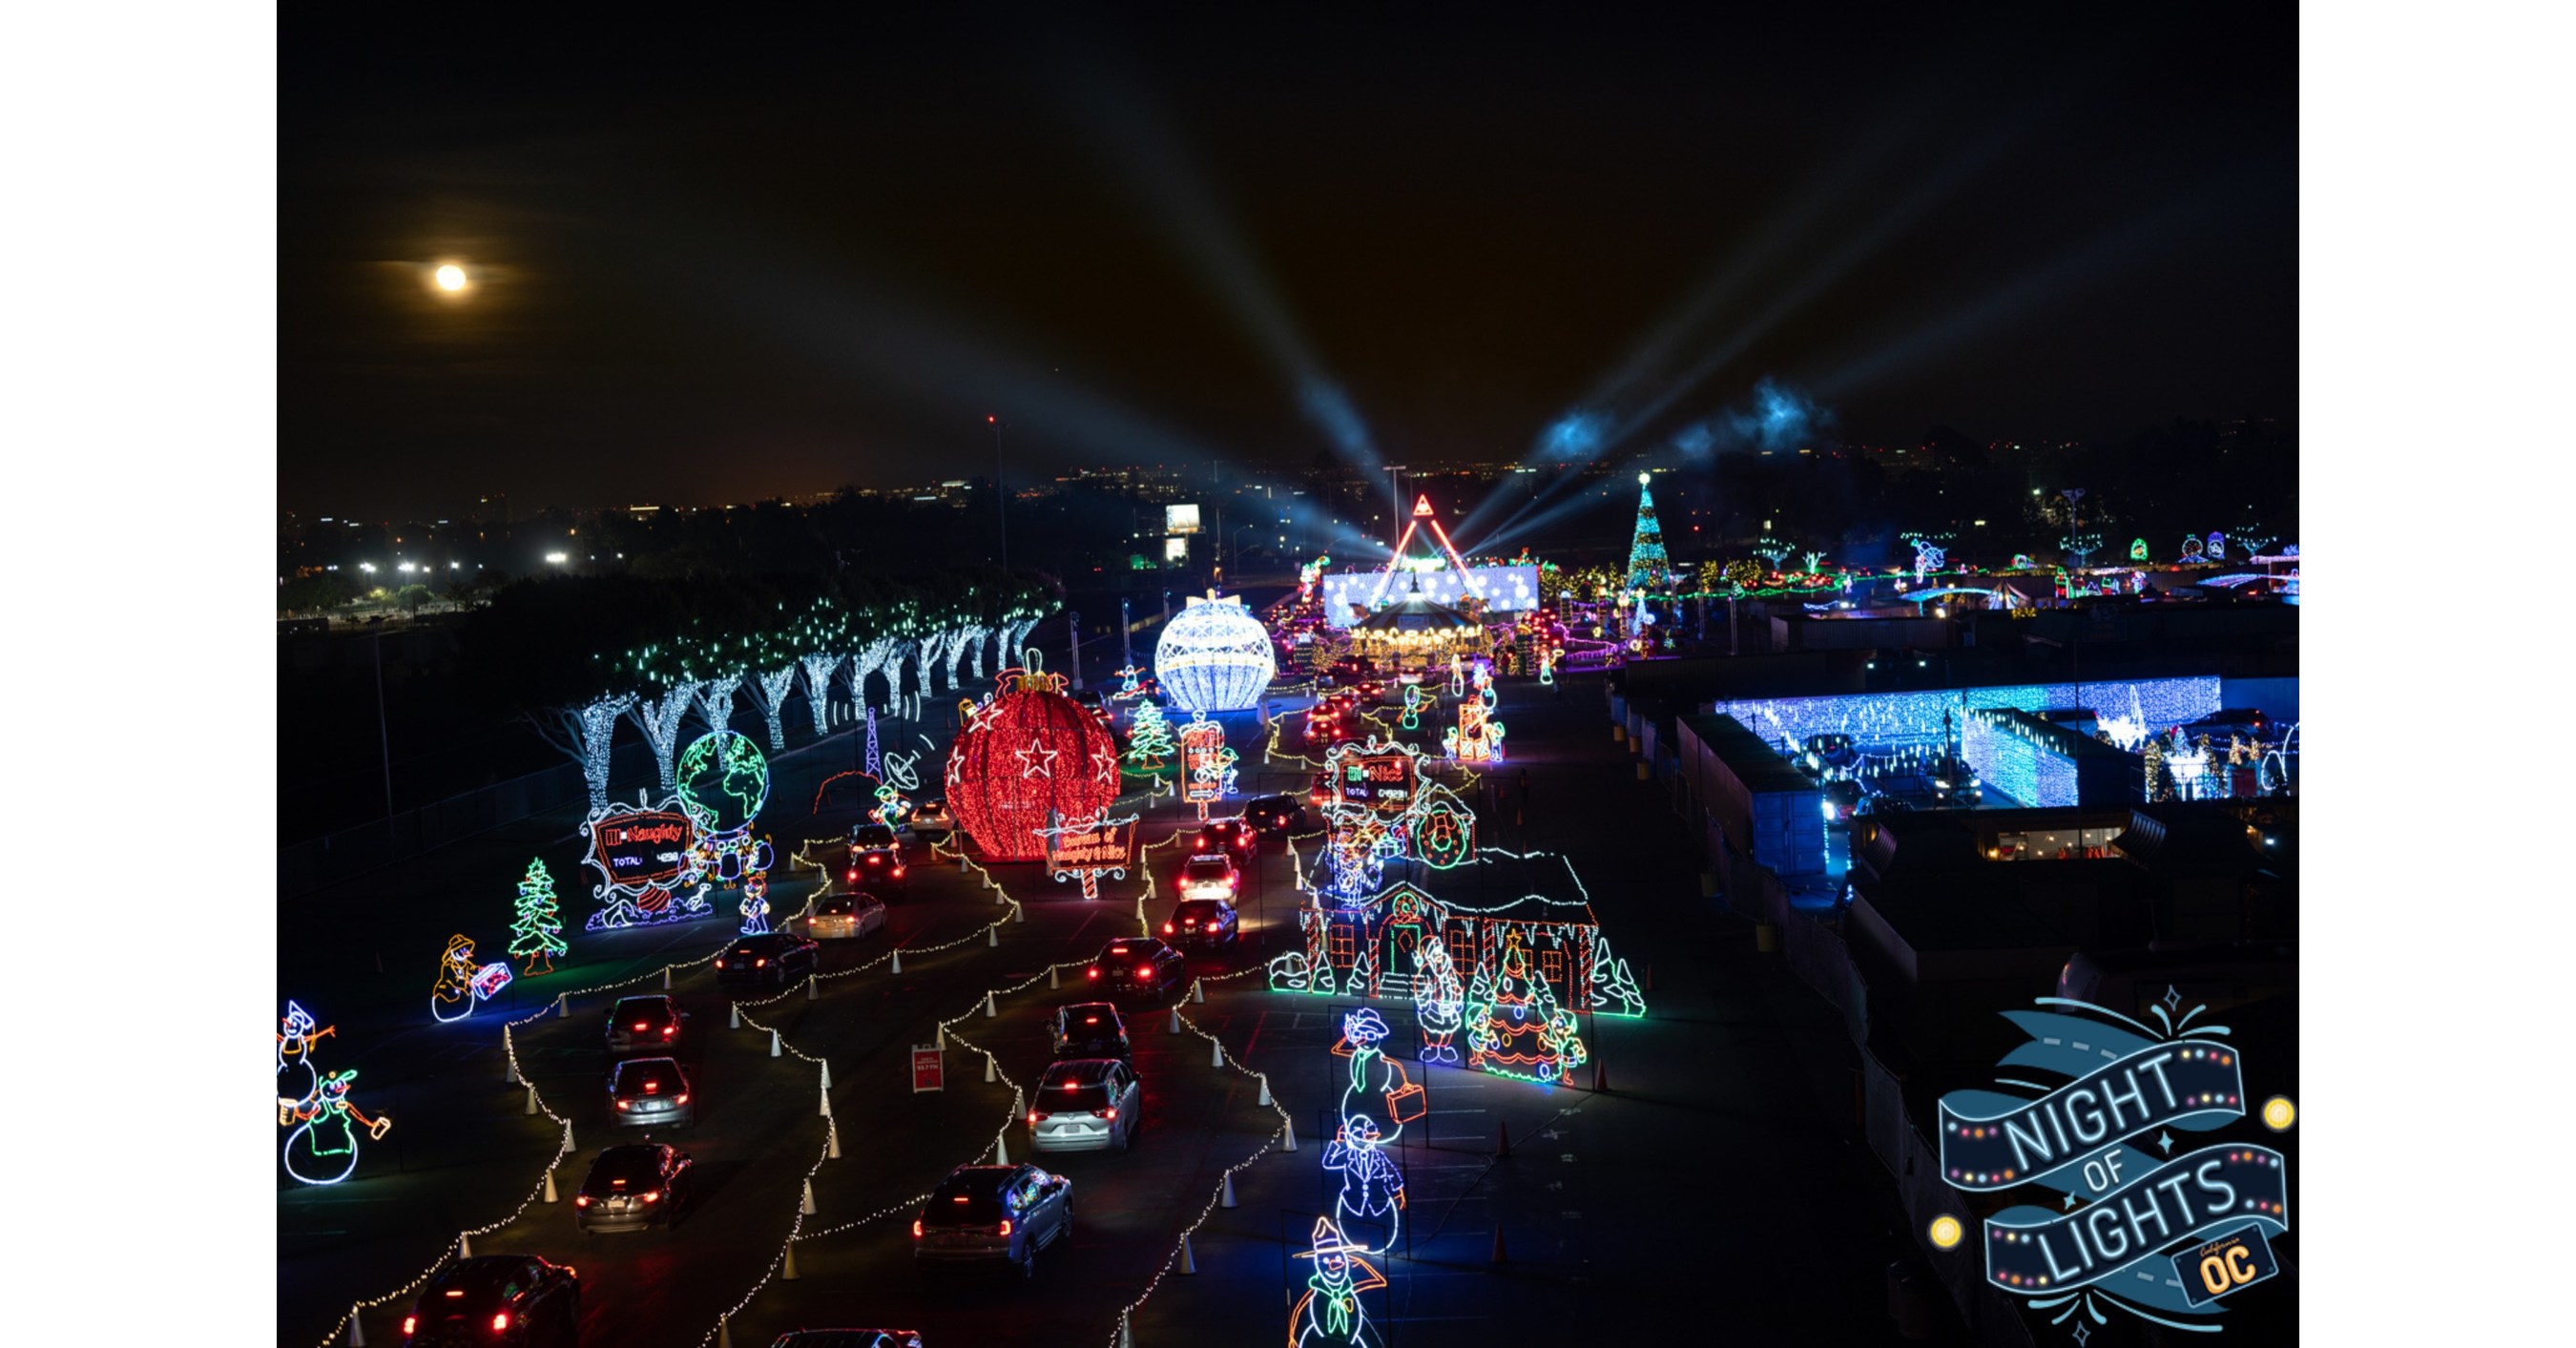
1150,742
536,935
1515,1027
1647,563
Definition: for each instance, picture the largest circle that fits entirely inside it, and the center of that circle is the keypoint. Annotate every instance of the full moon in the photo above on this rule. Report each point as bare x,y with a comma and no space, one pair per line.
451,277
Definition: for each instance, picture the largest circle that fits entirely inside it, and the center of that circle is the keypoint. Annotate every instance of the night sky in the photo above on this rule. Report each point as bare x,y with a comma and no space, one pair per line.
720,267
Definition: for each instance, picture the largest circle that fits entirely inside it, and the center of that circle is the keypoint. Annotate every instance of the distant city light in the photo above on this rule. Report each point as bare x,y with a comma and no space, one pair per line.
558,558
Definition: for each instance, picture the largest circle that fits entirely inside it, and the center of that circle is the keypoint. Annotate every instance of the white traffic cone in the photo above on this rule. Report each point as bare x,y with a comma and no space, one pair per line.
1292,1136
1225,1195
813,987
1175,1026
991,1071
1189,1262
1126,1336
1001,1154
988,1004
773,1043
832,1138
787,1271
942,1038
1019,912
509,1059
724,1332
357,1331
532,1100
826,1108
1198,992
806,1206
464,1246
1265,1088
1051,977
567,1146
560,1008
1216,1054
551,1195
898,960
827,1075
733,1017
999,897
993,936
666,978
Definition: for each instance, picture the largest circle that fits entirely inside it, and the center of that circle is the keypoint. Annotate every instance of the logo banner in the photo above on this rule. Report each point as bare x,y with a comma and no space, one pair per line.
2148,1089
2121,1234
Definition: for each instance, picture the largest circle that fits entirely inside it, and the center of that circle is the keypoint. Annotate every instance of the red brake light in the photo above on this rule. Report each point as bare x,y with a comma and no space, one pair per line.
1006,1226
653,1197
624,1105
1034,1116
684,1098
667,1030
762,962
1212,926
500,1322
410,1322
1167,929
1091,1020
1112,1115
1094,973
579,1201
1144,971
652,1088
916,1228
719,961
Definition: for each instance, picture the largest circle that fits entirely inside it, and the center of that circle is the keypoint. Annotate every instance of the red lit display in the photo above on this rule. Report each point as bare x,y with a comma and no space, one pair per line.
1032,758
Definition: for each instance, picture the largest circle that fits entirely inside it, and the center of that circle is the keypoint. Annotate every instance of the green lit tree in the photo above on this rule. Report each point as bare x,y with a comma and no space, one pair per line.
1648,566
536,936
1150,742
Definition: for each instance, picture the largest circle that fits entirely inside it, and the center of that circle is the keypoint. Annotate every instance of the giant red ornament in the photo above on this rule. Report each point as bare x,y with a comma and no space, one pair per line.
1031,758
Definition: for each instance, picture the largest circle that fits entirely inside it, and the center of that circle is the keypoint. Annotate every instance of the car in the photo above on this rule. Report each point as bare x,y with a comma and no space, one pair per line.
876,833
1209,875
1277,815
1372,692
1202,922
931,820
1233,835
1137,965
847,1338
631,1187
1089,1030
1842,799
779,957
992,1214
843,917
878,870
1085,1104
517,1300
645,1024
650,1093
1319,792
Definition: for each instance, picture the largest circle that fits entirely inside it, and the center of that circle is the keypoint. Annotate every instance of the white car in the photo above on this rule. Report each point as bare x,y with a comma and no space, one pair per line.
1086,1104
843,917
1209,875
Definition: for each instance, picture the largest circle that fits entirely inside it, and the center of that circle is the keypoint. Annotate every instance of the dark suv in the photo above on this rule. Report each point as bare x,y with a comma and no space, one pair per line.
1089,1030
780,957
1275,815
645,1024
518,1300
1202,922
632,1187
1137,966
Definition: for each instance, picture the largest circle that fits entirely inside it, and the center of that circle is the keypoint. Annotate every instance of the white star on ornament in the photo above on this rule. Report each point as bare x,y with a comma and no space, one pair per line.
1030,766
1105,767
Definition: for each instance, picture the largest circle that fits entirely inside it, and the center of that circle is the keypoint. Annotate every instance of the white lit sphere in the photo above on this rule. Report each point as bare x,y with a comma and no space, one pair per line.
1214,656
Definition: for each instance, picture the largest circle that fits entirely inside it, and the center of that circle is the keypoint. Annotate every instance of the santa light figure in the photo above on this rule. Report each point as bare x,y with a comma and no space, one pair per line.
1439,1003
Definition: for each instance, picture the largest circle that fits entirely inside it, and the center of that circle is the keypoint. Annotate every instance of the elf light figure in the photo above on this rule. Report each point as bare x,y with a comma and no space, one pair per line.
1439,1003
1372,1184
1518,1030
323,1149
1330,1314
755,904
461,983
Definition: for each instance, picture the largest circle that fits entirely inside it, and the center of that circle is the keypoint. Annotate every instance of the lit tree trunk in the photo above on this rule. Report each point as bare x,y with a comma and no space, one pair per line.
770,691
717,695
928,653
584,734
818,688
661,725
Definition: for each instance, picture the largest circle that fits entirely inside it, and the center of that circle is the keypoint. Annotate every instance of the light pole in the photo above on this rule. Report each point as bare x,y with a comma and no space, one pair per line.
1001,498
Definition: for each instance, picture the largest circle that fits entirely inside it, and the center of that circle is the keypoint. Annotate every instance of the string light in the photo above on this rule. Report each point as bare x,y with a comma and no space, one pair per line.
537,934
1214,655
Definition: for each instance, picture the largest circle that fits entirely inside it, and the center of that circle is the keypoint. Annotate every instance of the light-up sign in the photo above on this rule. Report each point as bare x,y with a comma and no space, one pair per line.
1180,519
1381,782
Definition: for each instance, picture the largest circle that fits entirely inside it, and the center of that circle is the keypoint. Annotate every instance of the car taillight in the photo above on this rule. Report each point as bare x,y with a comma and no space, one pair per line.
410,1322
581,1200
1034,1116
683,1098
916,1228
719,961
1232,881
624,1105
653,1197
500,1322
1112,1115
1167,929
898,872
668,1030
761,963
1006,1226
1093,973
1212,926
854,875
1144,971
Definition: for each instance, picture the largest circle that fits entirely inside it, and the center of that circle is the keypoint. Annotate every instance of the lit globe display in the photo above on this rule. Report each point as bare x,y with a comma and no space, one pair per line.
1214,656
724,780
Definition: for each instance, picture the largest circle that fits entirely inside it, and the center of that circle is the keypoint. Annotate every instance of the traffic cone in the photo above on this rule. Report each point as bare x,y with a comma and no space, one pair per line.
1216,1054
551,1195
1126,1335
827,1076
1292,1136
826,1108
1051,977
898,960
1225,1195
990,1069
567,1146
1019,913
1175,1026
1499,1256
999,897
464,1246
532,1100
942,1043
1502,1138
666,978
988,1003
1198,992
832,1138
724,1332
733,1017
1189,1262
1001,1153
509,1060
787,1271
773,1043
813,986
1265,1088
560,1009
993,936
806,1207
357,1332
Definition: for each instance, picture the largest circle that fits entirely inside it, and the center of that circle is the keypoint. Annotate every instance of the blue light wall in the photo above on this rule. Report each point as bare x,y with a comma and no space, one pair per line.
1888,720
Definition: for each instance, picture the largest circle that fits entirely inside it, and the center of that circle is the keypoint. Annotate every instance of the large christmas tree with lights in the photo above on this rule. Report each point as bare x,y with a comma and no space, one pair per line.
1648,564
